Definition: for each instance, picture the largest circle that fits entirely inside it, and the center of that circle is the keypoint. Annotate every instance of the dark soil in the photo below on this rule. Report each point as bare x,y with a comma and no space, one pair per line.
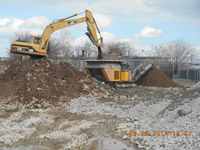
40,80
156,78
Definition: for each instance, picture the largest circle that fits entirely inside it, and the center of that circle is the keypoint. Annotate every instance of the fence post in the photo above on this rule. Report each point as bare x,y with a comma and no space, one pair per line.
81,66
179,70
194,73
187,70
173,70
198,69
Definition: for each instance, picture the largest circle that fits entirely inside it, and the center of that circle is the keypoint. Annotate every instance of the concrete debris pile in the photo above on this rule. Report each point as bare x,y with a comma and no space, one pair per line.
40,83
156,78
1,71
171,122
195,86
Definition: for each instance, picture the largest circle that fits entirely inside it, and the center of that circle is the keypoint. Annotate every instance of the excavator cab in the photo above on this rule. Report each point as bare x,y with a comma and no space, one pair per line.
36,39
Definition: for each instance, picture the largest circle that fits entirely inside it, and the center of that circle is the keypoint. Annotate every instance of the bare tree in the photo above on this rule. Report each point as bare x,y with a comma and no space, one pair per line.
114,47
177,50
158,50
23,36
127,49
89,49
54,48
66,39
124,49
88,46
86,50
61,44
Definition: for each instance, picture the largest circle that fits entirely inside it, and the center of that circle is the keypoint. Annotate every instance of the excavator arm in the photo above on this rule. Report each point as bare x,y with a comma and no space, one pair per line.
39,45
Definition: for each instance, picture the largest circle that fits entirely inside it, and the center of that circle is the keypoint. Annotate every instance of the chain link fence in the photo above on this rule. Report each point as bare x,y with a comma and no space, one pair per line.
78,64
188,70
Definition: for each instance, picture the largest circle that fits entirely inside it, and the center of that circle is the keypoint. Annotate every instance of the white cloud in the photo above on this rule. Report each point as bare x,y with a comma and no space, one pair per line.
108,37
196,48
149,32
196,51
80,41
126,40
103,21
8,25
137,45
34,25
40,21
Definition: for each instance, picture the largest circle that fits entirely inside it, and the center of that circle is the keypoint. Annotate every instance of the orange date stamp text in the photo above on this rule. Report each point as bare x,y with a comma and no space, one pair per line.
160,133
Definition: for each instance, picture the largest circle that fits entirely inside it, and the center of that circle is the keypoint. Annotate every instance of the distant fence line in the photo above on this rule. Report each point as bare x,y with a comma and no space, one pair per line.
78,64
189,70
2,67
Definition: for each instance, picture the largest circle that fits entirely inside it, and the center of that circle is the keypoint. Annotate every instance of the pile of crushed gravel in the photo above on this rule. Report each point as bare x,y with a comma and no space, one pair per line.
156,78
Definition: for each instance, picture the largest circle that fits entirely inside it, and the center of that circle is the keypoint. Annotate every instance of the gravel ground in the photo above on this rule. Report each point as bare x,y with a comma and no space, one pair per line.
149,116
89,123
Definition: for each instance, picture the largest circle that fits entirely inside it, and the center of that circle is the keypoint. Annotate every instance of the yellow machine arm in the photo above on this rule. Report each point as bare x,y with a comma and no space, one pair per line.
39,45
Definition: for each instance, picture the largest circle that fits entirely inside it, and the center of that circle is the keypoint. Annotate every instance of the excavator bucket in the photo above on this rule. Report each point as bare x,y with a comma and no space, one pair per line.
99,53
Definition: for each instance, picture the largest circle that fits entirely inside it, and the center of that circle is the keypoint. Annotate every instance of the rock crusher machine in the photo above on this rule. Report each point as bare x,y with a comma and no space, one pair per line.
115,72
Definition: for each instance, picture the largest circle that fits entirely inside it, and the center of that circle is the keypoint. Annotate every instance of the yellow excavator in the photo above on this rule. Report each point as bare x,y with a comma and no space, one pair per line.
40,44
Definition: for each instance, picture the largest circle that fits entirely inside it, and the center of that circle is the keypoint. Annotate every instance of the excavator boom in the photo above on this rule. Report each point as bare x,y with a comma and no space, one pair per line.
40,45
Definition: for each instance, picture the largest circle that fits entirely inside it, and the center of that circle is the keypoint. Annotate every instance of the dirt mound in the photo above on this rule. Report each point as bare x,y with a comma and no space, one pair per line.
41,81
156,78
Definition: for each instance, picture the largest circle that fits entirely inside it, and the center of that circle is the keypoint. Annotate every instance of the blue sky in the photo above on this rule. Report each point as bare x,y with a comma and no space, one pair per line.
141,22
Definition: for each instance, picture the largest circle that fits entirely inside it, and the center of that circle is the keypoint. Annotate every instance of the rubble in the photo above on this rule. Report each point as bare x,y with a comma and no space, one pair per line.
184,112
195,86
148,116
39,83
